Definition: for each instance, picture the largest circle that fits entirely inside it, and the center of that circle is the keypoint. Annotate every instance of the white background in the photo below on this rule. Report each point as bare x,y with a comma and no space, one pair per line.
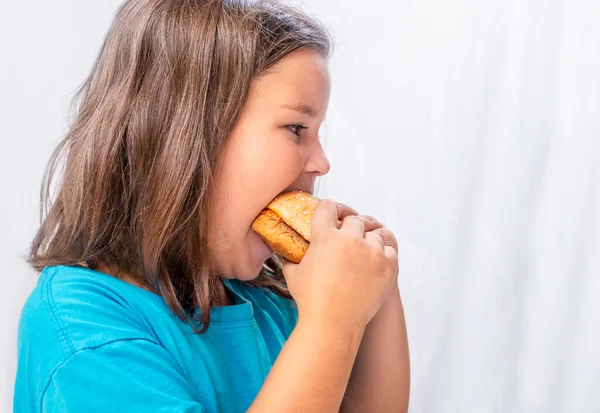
470,127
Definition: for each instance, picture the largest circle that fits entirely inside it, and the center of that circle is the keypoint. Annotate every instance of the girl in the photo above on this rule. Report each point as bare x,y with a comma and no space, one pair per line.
155,294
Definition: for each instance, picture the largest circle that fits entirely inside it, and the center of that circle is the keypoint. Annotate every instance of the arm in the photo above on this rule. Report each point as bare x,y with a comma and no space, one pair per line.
380,379
312,370
323,366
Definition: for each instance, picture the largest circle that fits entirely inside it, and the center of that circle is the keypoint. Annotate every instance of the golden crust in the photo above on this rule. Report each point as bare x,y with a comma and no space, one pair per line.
296,209
279,236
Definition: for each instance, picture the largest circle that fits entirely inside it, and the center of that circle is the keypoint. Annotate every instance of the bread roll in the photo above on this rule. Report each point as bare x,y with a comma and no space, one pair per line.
286,223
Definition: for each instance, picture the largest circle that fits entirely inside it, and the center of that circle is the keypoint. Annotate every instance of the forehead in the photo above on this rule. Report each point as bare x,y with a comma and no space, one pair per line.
300,79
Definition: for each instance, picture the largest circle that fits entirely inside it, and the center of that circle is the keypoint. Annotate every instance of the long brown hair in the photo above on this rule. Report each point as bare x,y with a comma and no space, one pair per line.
150,123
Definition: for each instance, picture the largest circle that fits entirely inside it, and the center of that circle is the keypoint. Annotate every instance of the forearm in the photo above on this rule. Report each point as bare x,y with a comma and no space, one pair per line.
380,379
311,372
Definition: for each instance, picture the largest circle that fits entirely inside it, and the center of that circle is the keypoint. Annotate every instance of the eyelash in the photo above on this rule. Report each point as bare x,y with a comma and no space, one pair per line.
296,128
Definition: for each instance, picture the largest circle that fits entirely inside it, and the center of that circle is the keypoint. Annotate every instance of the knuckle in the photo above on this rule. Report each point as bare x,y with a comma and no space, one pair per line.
377,256
355,247
318,237
355,242
389,235
369,218
325,203
385,231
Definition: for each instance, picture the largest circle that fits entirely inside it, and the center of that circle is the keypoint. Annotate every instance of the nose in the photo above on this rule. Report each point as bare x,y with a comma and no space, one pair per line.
317,163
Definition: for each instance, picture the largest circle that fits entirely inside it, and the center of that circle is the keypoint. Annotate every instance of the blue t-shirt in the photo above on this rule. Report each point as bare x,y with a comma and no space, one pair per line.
89,342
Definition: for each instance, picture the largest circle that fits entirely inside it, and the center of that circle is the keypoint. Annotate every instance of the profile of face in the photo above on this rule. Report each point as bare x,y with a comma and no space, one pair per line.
273,148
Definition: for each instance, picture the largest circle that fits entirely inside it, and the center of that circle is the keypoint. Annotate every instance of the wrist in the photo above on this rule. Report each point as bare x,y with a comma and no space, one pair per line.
391,310
333,328
393,294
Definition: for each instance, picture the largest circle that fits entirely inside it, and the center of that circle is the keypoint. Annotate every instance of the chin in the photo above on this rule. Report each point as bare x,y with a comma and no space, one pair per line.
249,272
256,253
248,265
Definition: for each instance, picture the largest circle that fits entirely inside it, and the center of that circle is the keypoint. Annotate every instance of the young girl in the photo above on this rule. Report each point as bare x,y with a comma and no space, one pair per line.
155,294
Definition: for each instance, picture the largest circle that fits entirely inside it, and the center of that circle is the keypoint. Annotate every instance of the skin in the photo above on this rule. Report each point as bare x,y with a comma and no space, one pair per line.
347,365
265,157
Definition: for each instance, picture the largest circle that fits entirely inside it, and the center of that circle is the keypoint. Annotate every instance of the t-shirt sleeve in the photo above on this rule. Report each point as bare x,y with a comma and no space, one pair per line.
122,376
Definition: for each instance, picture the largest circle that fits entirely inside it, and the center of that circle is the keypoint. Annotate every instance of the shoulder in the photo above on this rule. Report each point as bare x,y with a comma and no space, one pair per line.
75,311
75,308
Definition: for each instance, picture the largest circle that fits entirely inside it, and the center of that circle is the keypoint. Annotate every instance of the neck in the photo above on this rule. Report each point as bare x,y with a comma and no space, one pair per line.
224,296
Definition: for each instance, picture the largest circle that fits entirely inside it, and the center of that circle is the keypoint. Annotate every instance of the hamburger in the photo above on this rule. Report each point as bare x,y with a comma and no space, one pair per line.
285,224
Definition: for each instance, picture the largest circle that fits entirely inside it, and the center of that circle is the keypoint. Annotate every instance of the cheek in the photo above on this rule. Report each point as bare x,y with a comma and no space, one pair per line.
254,169
249,176
262,166
276,162
278,169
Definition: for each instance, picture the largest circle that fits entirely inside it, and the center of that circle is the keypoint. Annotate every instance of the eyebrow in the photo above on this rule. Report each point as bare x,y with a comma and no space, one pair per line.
302,108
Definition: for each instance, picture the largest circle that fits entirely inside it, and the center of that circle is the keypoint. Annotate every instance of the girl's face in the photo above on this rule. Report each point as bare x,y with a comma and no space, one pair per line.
274,147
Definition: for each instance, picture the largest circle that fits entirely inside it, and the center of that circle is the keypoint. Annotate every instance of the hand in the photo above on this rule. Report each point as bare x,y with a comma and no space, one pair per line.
348,269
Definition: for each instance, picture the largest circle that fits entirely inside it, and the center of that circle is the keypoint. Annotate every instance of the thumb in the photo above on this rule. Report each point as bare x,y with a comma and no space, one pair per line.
288,269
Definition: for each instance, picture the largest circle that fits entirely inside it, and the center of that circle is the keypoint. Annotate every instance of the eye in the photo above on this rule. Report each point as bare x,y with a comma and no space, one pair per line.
295,128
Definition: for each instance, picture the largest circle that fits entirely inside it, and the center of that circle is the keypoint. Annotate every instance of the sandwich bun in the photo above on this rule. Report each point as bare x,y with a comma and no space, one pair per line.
285,224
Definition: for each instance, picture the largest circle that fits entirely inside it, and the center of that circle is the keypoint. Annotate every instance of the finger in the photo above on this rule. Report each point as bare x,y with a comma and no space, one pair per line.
325,216
353,225
388,237
375,239
344,210
390,253
371,223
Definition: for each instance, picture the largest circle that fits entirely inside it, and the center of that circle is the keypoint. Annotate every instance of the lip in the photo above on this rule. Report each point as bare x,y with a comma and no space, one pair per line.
307,190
